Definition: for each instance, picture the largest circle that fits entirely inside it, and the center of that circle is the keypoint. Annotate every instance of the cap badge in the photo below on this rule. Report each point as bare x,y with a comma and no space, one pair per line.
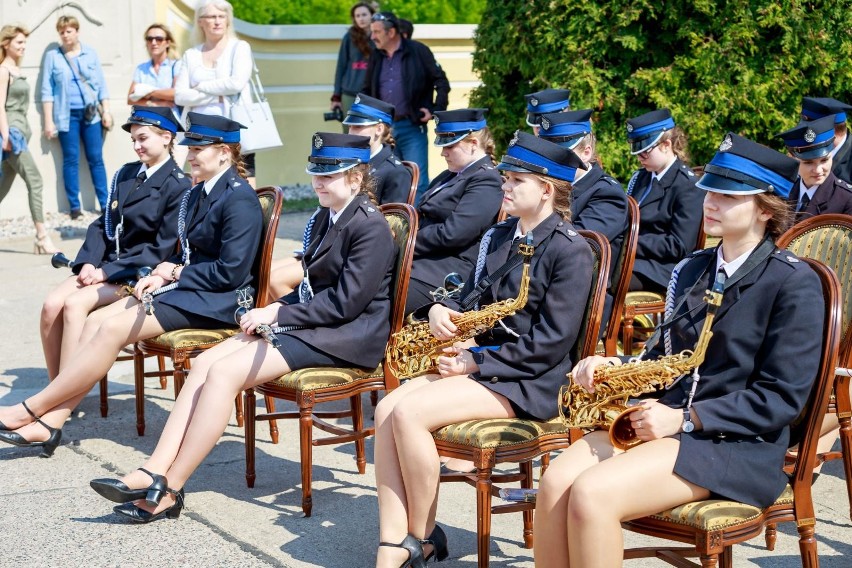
534,101
726,144
188,123
437,120
545,123
317,141
514,139
629,127
357,99
810,135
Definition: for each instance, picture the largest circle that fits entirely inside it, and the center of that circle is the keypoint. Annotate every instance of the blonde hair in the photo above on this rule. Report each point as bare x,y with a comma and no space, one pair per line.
161,131
368,182
561,194
67,21
679,143
781,211
589,141
197,36
486,142
7,34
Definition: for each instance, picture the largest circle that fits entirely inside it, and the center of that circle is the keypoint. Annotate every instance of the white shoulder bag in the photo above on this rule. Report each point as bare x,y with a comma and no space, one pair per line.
253,112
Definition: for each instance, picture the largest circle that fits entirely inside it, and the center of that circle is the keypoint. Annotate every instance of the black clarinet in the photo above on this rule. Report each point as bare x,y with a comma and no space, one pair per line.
245,301
59,260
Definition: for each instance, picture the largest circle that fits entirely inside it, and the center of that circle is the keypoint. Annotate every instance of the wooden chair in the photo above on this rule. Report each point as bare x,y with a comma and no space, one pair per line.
128,351
415,177
713,526
492,441
622,271
181,345
828,238
309,387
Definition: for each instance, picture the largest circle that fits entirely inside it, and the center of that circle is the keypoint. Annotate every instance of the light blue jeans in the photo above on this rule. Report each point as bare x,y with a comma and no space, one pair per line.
93,142
411,145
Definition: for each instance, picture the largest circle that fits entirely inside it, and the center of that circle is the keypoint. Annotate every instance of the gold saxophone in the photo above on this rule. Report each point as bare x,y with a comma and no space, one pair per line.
414,351
607,408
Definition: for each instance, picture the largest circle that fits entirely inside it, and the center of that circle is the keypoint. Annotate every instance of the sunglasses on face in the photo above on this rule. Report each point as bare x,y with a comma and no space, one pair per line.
155,39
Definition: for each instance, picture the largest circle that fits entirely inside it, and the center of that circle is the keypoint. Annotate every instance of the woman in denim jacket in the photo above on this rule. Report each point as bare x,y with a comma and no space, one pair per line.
72,89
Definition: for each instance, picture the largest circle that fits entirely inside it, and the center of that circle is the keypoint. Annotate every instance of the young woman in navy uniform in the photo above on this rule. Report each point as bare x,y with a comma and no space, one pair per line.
819,107
598,200
520,371
371,118
459,205
669,203
818,190
138,228
338,317
724,434
219,231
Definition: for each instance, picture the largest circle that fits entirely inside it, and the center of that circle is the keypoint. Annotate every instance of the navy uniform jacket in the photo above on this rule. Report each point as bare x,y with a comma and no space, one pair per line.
756,376
224,235
529,370
843,159
600,204
150,221
669,220
454,219
832,196
350,268
393,180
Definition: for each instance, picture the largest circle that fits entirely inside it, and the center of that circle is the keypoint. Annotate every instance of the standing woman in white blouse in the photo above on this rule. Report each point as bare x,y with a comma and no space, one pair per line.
217,70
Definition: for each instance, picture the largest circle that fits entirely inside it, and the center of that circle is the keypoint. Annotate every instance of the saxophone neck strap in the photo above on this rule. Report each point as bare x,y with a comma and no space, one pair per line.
763,251
486,281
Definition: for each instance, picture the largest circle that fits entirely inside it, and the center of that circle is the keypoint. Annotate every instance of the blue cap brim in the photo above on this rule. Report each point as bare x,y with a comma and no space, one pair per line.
443,140
639,145
193,142
720,184
354,120
812,152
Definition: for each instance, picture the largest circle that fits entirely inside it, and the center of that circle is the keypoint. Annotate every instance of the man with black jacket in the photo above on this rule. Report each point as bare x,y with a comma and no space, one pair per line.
404,73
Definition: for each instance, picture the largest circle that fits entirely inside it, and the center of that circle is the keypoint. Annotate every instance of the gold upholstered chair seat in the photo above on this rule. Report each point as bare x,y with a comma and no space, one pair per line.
718,514
190,338
315,378
498,432
642,298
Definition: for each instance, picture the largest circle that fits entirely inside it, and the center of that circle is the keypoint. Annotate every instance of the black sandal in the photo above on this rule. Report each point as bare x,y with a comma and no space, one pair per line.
438,540
139,515
47,447
117,492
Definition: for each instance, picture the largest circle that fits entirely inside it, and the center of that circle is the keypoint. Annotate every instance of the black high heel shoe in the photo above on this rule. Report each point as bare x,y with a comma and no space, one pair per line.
47,447
414,546
138,515
438,540
118,492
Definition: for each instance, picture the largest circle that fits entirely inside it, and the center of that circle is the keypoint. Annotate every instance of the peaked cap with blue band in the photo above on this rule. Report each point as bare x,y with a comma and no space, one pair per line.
818,107
531,155
161,117
743,167
548,100
810,139
367,111
565,128
452,126
645,131
206,129
332,153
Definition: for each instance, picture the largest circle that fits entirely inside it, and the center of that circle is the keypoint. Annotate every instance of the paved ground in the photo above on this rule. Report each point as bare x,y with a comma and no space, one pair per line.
50,517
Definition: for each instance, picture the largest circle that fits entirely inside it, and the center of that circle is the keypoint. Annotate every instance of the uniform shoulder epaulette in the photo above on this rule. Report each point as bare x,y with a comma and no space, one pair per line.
687,170
177,173
786,257
611,181
565,228
396,161
843,184
702,252
368,206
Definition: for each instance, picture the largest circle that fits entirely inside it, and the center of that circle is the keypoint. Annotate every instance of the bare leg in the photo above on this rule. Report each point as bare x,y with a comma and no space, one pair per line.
126,324
255,363
50,325
77,308
413,419
284,276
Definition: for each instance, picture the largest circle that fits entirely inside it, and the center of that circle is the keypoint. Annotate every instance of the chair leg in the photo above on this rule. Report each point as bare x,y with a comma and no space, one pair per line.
306,447
374,397
180,362
808,545
627,332
844,416
249,400
161,365
527,483
139,389
104,397
483,516
358,426
273,424
238,404
771,535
